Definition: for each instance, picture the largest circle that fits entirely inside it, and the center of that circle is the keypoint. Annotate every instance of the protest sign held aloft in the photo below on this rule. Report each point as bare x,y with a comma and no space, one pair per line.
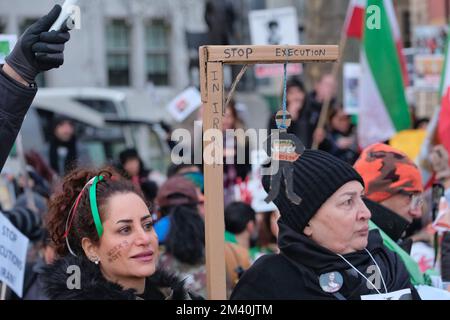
13,252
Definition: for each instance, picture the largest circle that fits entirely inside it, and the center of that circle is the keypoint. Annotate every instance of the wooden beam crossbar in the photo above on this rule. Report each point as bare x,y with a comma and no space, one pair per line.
272,54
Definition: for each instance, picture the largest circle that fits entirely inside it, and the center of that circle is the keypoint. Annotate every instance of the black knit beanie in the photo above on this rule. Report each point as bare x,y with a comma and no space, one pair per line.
317,176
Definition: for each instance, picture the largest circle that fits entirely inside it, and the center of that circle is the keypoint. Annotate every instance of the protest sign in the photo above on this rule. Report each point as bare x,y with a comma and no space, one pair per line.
184,104
13,252
275,27
351,74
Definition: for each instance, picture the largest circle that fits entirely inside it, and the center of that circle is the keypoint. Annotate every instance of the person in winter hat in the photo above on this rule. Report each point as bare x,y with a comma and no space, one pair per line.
393,190
175,192
325,239
181,232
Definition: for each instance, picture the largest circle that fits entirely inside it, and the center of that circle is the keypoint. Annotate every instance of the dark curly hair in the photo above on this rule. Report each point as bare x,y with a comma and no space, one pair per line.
83,224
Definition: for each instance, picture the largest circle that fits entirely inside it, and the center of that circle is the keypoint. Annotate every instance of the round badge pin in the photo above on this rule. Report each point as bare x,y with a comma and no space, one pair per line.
331,282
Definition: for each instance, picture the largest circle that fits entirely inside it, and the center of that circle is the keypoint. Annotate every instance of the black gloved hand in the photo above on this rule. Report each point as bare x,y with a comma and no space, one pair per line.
37,49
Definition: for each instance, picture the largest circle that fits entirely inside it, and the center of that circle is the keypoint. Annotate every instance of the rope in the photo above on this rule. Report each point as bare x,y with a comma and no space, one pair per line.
234,85
283,124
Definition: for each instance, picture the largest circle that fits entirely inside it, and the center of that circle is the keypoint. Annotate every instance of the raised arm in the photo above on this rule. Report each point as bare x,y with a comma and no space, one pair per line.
37,50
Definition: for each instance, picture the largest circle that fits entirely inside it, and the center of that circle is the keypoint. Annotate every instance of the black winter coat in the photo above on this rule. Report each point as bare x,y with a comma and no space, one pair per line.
15,100
93,286
294,273
445,262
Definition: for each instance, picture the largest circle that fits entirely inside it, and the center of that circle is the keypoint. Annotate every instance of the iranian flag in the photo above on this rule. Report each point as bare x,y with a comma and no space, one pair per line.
444,117
355,19
383,107
354,28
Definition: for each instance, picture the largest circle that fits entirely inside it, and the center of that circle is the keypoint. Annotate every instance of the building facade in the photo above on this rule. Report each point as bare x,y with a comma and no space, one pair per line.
121,43
425,13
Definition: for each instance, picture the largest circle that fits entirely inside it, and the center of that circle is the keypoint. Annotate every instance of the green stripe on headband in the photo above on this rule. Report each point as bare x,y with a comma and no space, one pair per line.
94,207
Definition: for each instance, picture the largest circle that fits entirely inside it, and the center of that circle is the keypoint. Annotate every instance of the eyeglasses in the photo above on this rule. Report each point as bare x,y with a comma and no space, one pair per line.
416,201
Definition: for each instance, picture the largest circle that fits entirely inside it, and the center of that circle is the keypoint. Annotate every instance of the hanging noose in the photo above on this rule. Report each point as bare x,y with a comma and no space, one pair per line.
284,149
283,118
283,124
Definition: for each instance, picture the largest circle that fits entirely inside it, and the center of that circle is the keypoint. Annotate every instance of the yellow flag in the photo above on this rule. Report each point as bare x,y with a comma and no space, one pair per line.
409,141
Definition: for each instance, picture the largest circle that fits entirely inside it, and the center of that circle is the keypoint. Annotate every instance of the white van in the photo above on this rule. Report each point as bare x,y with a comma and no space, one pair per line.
103,125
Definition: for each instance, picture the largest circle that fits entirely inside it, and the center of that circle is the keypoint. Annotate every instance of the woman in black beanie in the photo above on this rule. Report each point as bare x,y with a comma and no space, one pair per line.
326,248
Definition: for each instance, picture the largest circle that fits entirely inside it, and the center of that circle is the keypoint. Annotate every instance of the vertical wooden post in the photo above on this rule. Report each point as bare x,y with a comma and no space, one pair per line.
214,201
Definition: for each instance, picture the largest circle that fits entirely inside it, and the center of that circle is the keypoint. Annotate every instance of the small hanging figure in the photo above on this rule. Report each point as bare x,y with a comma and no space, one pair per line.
285,148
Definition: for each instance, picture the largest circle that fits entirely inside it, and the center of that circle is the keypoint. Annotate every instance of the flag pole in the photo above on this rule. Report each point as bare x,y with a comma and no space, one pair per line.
3,292
334,73
31,204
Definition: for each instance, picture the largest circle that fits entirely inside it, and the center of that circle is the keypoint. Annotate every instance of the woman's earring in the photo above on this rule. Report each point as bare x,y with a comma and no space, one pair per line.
95,260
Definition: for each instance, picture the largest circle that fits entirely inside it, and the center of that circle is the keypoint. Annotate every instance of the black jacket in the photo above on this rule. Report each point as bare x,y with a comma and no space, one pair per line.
330,145
15,100
445,262
59,164
294,273
315,107
93,286
391,223
32,283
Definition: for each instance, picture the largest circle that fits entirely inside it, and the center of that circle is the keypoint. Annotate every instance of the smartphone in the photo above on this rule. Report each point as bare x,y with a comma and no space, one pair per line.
66,12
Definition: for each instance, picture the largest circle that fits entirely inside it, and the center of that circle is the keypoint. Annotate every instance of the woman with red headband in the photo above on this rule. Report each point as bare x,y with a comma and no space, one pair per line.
103,231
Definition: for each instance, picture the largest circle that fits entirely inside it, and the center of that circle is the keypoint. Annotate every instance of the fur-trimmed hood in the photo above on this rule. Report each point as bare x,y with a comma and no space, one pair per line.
93,286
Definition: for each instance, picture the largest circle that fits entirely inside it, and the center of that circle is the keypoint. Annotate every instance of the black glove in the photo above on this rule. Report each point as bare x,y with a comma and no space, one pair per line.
37,49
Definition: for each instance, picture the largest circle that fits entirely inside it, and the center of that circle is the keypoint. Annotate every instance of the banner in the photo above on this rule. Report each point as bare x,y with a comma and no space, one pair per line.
430,39
184,104
13,253
428,70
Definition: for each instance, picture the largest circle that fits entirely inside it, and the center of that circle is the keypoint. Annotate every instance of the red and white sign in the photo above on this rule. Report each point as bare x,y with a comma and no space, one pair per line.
277,70
184,104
